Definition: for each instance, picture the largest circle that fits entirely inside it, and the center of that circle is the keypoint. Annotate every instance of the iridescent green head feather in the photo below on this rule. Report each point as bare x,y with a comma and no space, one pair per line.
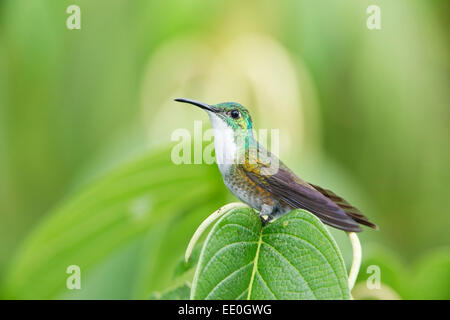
235,115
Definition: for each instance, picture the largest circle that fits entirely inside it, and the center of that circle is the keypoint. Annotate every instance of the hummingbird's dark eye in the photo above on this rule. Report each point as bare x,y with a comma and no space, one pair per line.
235,114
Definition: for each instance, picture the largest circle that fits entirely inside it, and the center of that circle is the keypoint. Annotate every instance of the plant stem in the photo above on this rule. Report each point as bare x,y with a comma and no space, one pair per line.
356,262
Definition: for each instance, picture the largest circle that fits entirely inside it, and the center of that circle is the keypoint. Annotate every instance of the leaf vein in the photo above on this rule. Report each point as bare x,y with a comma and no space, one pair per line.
214,256
241,226
313,246
267,285
255,267
228,276
298,271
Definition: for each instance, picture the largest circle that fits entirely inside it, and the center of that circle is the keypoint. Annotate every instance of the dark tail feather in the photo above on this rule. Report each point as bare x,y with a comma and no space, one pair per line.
351,211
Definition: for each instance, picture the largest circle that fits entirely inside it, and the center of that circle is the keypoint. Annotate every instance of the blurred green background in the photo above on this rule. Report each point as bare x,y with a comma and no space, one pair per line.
86,118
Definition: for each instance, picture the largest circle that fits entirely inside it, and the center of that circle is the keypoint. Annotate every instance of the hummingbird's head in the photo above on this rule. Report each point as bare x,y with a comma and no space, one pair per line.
230,114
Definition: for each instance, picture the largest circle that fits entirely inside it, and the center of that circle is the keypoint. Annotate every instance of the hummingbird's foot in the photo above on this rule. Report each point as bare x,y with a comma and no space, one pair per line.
265,214
264,220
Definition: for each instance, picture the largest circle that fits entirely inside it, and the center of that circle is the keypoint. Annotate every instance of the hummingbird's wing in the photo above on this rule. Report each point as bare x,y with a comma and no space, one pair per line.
287,188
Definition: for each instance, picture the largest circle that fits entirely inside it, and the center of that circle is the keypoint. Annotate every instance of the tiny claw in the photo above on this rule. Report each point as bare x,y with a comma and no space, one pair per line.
265,221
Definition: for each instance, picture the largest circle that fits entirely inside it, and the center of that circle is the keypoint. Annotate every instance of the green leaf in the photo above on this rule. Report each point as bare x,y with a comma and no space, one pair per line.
179,293
293,257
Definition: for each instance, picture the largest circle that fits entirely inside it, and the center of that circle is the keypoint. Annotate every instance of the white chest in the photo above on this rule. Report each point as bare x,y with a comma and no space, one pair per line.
224,143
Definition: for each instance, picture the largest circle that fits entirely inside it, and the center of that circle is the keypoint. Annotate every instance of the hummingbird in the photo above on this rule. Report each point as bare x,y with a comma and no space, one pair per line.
248,172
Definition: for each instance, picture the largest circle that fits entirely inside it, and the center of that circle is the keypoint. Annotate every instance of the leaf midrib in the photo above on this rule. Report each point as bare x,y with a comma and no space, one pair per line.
255,266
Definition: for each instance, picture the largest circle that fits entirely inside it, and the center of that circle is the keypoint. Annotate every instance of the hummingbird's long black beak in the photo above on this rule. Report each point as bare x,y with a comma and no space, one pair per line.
198,104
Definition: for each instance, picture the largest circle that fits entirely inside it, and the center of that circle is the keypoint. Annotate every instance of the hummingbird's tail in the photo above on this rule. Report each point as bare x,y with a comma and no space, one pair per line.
350,210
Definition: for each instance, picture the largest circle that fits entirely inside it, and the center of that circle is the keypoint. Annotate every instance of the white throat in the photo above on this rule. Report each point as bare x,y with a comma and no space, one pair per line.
223,143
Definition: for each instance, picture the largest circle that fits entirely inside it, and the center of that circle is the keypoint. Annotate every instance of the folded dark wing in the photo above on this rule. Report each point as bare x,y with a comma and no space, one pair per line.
288,188
350,210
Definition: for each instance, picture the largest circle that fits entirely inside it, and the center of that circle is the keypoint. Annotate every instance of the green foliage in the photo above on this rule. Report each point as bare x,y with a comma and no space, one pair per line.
131,225
292,258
